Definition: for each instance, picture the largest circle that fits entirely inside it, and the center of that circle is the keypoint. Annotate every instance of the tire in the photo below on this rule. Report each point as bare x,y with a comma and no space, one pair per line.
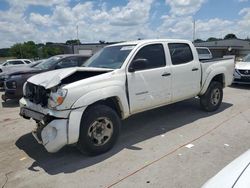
99,131
212,99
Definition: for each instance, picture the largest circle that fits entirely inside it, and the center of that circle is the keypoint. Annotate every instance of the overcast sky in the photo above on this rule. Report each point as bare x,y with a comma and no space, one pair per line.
119,20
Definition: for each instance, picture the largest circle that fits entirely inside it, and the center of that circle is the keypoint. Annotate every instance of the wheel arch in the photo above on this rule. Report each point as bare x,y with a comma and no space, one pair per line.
216,76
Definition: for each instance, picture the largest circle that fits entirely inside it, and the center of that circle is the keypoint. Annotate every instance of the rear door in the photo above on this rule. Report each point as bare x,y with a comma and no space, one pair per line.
186,72
151,85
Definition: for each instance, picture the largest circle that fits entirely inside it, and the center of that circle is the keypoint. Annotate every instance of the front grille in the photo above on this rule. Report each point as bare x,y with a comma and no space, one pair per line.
244,72
243,79
36,94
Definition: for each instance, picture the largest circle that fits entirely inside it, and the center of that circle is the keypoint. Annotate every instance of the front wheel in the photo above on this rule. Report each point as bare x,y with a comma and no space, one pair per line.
212,99
100,128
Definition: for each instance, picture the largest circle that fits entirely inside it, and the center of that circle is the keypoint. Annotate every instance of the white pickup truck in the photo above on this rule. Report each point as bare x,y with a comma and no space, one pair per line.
85,105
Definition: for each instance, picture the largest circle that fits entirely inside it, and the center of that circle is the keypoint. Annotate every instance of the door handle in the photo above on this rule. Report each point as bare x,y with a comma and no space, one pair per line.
166,74
195,69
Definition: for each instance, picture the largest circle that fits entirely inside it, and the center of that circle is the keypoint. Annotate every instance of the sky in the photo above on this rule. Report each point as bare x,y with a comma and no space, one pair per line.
120,20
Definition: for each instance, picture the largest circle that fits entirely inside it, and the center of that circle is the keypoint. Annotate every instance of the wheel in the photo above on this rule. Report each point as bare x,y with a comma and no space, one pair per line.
99,131
212,99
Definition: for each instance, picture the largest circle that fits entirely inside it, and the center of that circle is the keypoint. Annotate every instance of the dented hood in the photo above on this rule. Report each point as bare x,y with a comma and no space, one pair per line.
54,78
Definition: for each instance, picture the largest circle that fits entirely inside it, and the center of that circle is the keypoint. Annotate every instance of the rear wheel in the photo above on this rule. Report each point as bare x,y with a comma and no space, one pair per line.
212,99
99,131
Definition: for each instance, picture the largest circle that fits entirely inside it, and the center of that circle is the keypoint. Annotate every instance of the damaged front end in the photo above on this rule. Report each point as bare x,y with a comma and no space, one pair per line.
44,101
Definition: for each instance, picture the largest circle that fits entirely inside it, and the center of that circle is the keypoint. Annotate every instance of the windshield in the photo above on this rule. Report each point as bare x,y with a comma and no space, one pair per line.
47,64
247,58
110,57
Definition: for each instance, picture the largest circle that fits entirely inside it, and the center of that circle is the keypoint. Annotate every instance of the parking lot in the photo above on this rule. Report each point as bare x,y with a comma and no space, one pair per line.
174,146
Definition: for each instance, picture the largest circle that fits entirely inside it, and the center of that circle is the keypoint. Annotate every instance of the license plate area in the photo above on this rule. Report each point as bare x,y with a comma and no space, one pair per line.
32,114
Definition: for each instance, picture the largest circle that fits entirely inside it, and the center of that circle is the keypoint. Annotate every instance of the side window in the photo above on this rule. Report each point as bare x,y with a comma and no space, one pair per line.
28,62
15,63
67,62
180,53
154,54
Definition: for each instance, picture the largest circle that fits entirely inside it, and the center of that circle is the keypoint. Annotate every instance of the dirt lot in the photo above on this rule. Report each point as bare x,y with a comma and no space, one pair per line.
150,153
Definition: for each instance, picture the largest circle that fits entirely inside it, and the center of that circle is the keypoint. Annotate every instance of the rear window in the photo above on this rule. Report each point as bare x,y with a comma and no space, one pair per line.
203,51
180,53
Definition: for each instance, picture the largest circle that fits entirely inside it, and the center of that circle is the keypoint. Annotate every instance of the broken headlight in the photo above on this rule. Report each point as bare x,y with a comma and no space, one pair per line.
57,97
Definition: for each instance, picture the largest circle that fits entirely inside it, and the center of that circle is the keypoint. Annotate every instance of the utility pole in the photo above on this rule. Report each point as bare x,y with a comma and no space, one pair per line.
77,34
193,30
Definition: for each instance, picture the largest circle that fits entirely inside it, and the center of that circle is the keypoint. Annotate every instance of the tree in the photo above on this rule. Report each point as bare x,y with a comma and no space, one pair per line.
230,36
211,39
48,51
198,40
73,42
26,50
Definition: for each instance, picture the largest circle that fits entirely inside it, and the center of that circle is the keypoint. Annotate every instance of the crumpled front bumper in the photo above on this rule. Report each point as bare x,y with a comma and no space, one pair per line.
55,129
53,135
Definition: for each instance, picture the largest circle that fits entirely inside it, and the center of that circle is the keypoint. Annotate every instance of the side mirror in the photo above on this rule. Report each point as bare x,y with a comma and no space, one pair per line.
137,64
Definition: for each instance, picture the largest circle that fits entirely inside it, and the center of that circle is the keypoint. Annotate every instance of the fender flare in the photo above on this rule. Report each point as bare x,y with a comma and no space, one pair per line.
213,73
89,98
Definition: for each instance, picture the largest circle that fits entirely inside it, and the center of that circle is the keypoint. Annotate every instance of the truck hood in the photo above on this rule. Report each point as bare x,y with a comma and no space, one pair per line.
243,65
53,78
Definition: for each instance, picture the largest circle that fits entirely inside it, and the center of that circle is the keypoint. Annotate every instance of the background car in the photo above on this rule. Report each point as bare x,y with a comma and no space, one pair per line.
204,53
12,69
242,71
14,62
13,84
236,174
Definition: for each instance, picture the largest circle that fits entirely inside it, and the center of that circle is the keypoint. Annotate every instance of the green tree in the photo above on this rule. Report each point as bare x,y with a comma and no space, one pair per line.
25,50
48,51
230,36
211,39
198,40
16,50
73,42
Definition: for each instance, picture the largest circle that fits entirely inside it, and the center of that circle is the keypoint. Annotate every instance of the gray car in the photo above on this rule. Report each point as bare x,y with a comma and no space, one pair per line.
13,84
12,69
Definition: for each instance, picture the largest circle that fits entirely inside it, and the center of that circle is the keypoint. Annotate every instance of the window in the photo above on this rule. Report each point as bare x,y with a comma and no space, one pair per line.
110,57
202,51
180,53
68,62
82,60
154,54
14,63
28,62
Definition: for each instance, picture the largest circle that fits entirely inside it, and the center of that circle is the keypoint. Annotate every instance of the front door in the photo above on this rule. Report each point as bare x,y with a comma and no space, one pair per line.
149,86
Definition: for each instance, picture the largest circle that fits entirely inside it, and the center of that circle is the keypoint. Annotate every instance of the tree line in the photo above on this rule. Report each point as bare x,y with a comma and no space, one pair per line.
31,50
228,36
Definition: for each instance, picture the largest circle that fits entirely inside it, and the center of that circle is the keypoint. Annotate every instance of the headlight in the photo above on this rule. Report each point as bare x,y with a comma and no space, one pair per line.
57,98
24,89
237,74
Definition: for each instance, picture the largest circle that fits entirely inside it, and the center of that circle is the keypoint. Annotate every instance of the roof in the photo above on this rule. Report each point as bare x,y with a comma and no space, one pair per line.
137,42
18,59
70,55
